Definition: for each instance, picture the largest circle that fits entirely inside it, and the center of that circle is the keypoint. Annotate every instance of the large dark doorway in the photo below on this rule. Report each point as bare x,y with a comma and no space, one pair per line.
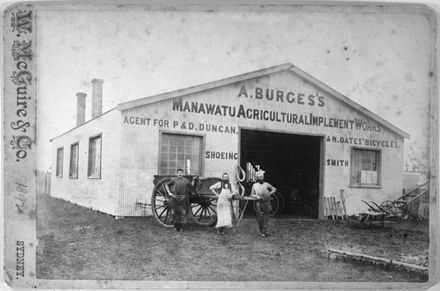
292,165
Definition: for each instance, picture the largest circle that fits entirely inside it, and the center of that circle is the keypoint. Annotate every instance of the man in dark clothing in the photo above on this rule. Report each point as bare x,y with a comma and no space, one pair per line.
262,191
178,189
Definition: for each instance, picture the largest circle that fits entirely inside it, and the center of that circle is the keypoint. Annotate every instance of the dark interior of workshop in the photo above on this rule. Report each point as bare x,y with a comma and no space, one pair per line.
292,165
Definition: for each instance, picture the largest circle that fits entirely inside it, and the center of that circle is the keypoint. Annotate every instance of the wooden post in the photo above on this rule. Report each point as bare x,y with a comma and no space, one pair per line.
332,211
242,212
372,259
335,210
336,207
343,203
326,208
332,207
340,209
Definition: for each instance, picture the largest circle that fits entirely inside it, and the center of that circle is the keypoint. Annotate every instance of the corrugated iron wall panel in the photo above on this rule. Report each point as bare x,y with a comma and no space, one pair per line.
139,150
96,193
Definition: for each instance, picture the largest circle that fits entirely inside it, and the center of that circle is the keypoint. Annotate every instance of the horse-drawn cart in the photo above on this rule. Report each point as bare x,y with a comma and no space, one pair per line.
202,202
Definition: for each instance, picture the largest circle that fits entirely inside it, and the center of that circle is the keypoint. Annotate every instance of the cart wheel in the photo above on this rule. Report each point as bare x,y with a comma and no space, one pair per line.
204,209
278,203
159,204
388,204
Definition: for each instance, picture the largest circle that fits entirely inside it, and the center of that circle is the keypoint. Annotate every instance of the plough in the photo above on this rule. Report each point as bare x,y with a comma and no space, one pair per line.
392,209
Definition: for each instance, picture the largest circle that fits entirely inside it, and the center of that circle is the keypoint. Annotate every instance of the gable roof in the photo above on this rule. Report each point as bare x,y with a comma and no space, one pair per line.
256,74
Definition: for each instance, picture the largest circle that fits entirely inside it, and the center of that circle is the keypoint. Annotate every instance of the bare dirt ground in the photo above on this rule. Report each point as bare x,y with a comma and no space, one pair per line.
78,243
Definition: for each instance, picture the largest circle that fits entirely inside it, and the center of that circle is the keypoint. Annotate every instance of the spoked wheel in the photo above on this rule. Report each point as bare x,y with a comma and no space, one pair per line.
278,204
395,207
204,209
159,204
388,204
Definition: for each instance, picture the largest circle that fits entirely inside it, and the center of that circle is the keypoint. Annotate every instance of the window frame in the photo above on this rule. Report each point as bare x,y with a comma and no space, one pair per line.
202,148
379,168
77,161
89,175
57,174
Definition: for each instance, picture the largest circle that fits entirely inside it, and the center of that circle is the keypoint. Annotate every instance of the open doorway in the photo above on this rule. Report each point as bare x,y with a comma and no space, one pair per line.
291,163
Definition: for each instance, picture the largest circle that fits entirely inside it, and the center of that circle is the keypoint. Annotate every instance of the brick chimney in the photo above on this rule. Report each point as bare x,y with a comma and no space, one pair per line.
97,97
80,108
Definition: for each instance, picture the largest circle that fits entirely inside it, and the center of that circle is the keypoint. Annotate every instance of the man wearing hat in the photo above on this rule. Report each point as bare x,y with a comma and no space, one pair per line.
262,191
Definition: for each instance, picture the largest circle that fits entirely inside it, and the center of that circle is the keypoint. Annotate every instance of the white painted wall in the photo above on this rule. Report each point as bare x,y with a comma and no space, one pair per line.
99,194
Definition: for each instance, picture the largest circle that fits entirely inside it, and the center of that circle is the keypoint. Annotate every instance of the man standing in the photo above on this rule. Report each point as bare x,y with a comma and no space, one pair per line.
262,191
178,189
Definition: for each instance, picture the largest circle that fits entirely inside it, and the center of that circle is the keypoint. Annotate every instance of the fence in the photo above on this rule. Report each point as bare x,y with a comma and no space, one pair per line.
43,182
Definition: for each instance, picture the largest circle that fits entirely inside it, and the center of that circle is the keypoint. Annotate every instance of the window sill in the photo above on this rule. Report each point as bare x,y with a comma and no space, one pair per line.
59,177
94,177
365,186
73,177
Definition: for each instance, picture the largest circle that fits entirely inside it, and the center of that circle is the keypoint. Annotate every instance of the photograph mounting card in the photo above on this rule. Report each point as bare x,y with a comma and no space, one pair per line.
210,145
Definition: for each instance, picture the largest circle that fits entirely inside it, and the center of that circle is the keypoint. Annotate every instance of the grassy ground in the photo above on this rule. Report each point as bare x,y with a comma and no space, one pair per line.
78,243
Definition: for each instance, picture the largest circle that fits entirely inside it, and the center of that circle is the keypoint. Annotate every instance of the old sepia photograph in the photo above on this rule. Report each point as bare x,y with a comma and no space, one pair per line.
240,145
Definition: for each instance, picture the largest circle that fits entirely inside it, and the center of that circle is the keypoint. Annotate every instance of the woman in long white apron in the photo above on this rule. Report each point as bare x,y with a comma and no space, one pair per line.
224,213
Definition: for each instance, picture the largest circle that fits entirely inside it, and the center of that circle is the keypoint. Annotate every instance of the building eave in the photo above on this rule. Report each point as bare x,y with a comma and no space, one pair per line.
90,120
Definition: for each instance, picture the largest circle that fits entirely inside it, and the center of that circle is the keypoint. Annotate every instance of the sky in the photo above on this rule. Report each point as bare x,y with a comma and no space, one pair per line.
379,60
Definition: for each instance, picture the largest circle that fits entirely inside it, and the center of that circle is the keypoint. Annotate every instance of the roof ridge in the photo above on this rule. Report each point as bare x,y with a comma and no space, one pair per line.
205,86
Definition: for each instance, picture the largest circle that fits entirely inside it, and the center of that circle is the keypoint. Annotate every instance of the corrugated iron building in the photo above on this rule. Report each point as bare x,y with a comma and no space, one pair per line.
311,140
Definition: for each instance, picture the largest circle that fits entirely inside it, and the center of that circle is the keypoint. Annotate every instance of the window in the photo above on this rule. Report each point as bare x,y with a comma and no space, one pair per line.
180,151
94,165
365,167
60,156
73,169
